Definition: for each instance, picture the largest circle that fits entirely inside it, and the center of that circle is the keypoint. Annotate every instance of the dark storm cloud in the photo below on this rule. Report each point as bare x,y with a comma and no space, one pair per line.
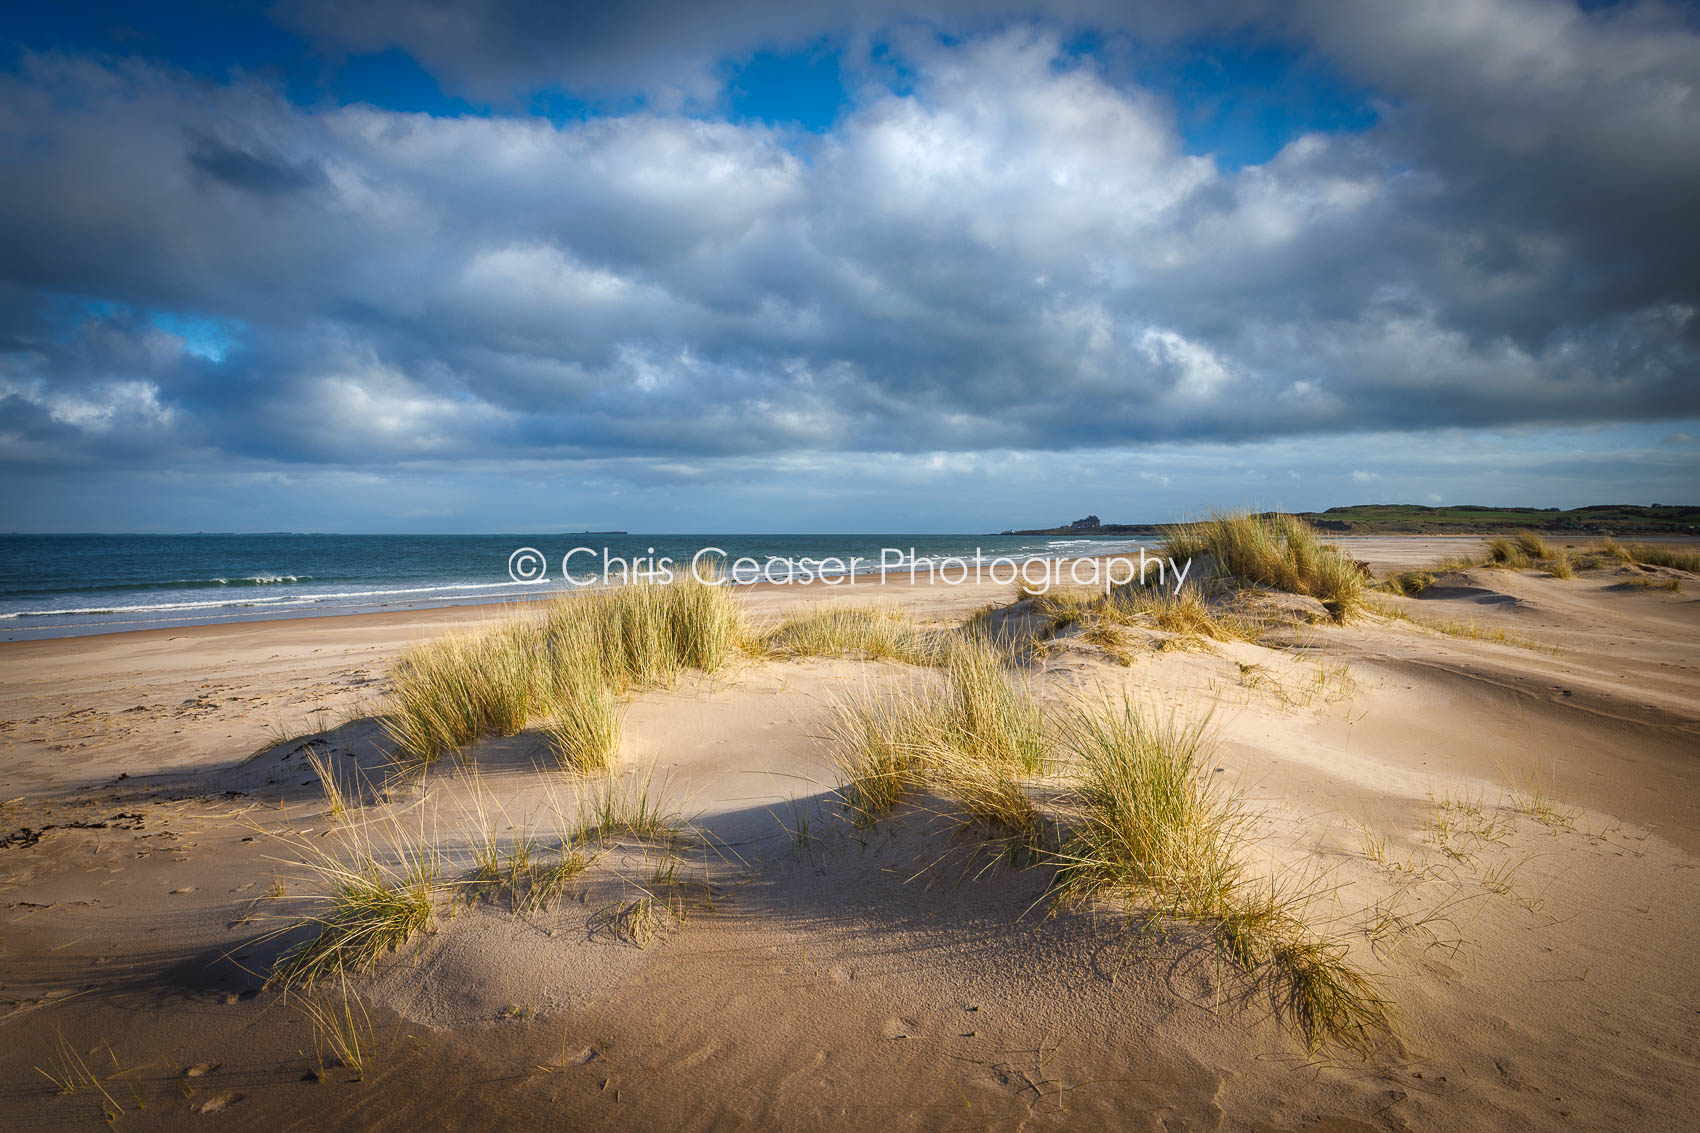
1017,253
259,173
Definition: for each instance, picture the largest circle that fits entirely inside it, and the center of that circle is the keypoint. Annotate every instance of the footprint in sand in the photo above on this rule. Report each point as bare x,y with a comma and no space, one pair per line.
896,1028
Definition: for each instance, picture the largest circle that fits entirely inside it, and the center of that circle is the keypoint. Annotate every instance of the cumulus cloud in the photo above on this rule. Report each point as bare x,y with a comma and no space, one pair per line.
1013,250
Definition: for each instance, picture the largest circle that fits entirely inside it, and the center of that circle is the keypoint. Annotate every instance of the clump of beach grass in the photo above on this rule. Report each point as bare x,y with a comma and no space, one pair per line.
1187,616
372,894
1506,552
1154,828
991,797
987,714
1531,545
1062,607
566,666
1459,821
342,1029
851,631
631,808
1149,816
1673,557
337,800
644,634
1279,551
584,727
877,754
1105,634
455,689
512,862
1641,554
526,875
1408,583
1531,797
972,736
1523,550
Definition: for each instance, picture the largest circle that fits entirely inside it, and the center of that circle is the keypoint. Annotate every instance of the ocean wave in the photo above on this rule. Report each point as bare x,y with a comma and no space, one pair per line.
282,600
170,584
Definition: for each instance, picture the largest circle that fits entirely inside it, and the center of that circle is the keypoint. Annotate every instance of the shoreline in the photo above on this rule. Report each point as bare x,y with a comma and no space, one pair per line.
1379,551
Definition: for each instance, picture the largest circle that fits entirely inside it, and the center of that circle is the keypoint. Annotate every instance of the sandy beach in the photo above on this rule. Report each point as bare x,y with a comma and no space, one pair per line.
1488,789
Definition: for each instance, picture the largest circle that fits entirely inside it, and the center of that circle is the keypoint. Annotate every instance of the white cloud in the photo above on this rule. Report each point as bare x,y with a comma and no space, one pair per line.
1013,252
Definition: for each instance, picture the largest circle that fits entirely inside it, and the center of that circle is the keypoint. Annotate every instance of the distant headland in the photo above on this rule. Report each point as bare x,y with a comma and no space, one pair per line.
1462,519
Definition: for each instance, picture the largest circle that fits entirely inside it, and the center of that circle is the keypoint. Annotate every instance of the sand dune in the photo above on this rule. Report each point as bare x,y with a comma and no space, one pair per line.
1493,797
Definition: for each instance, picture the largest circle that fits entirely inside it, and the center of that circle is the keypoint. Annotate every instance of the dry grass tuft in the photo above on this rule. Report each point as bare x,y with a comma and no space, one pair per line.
568,666
1459,823
460,687
877,754
986,714
524,873
1673,557
634,808
851,631
1523,550
70,1074
342,1029
1504,552
1531,797
1281,551
972,737
1531,545
584,727
1154,829
1062,607
371,898
337,802
1104,633
1185,615
991,797
1408,583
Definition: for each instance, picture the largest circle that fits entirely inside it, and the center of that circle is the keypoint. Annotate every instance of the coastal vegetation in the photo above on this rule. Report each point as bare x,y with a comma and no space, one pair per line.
1278,551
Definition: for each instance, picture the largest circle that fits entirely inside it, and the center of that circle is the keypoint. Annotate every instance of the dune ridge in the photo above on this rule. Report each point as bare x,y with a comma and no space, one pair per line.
1484,791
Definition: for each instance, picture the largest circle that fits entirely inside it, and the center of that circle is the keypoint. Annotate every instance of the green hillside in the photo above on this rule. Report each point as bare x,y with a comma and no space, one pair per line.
1370,519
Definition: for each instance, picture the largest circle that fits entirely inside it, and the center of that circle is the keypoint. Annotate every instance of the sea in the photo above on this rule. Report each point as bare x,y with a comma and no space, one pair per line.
66,585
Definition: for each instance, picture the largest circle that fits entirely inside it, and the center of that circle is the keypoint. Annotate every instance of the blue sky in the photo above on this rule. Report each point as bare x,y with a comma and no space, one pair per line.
879,266
1238,97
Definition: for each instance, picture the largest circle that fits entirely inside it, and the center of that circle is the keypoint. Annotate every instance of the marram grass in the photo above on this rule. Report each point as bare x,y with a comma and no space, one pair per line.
978,731
851,631
372,895
567,668
1185,615
1280,551
1153,827
1145,823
